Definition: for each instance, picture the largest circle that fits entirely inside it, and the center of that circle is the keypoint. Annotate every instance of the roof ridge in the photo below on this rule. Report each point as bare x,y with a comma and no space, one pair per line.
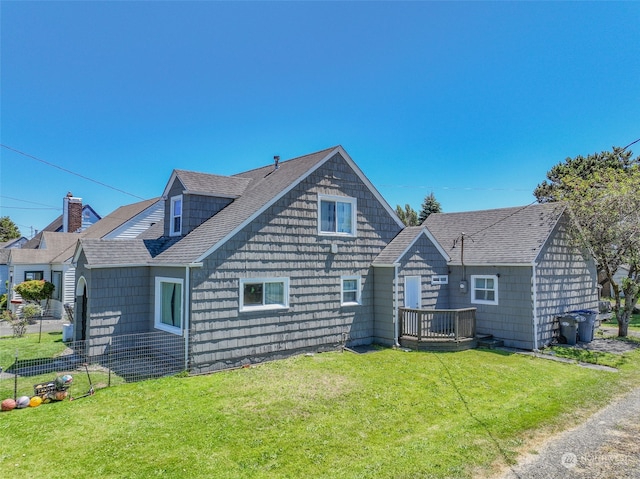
270,165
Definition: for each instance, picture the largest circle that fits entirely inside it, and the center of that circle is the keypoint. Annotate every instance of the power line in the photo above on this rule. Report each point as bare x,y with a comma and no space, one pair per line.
632,143
71,172
27,208
465,188
27,201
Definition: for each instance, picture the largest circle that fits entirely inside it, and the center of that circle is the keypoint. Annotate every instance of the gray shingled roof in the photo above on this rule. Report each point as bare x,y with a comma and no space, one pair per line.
260,188
208,184
59,247
500,236
106,252
45,247
4,255
266,184
117,218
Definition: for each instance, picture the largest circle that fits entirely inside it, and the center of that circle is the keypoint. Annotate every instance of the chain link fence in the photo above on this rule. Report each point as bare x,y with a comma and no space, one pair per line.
94,363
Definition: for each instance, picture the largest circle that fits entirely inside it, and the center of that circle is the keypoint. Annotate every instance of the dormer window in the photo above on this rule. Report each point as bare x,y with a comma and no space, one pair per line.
176,216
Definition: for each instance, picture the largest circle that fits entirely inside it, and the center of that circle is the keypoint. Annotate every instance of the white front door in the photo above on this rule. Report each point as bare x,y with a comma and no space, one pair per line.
412,296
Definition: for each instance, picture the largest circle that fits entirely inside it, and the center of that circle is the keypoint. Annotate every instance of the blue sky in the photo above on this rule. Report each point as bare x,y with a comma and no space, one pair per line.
473,101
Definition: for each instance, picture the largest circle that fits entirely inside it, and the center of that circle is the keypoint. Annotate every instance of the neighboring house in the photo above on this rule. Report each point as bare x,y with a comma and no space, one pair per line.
14,243
37,260
621,272
518,267
75,216
263,264
48,255
4,259
305,255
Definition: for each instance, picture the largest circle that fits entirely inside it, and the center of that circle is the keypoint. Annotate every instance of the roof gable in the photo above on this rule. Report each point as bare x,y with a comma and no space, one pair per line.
267,185
498,236
403,242
258,189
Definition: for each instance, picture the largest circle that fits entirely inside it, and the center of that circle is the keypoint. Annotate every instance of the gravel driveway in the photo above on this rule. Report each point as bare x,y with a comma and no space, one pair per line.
606,446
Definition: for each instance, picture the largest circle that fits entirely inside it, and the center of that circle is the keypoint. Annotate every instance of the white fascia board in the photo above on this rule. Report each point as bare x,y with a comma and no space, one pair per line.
267,205
390,265
486,265
372,188
138,265
107,266
433,239
76,254
167,188
193,264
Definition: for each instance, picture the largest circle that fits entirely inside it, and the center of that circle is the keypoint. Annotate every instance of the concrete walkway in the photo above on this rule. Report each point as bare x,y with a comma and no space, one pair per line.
606,446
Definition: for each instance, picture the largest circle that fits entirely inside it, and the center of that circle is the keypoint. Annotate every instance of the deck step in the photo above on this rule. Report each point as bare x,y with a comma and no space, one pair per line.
490,343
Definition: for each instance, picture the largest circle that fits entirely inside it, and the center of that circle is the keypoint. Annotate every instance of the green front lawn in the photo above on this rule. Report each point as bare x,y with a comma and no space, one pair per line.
37,352
333,415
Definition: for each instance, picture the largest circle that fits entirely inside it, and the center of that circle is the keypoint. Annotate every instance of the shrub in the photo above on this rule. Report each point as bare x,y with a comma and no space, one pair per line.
19,325
31,310
35,290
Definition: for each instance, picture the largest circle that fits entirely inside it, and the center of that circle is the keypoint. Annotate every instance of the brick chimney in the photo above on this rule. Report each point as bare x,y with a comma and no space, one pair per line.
71,214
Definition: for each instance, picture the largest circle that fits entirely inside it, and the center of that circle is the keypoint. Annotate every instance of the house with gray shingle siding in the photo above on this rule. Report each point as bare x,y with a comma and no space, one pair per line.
255,266
306,255
518,267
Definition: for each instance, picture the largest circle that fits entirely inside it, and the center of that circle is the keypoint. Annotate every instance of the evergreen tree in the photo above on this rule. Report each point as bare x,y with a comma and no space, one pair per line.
408,215
429,205
553,188
8,229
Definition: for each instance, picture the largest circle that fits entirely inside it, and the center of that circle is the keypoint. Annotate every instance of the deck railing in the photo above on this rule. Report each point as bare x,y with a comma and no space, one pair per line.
438,324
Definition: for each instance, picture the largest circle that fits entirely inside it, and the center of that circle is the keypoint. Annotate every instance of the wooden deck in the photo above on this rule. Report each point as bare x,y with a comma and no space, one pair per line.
438,329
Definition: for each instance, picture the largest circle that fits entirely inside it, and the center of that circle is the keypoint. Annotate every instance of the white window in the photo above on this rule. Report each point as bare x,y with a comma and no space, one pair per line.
440,279
32,275
264,293
484,289
175,227
350,290
56,279
337,215
168,305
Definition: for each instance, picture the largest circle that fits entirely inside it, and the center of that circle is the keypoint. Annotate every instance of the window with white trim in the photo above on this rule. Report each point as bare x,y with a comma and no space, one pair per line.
257,294
337,215
175,223
350,290
33,275
440,279
484,289
56,280
168,305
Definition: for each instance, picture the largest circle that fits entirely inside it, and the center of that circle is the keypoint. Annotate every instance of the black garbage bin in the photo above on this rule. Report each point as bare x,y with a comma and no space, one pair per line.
586,328
569,327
